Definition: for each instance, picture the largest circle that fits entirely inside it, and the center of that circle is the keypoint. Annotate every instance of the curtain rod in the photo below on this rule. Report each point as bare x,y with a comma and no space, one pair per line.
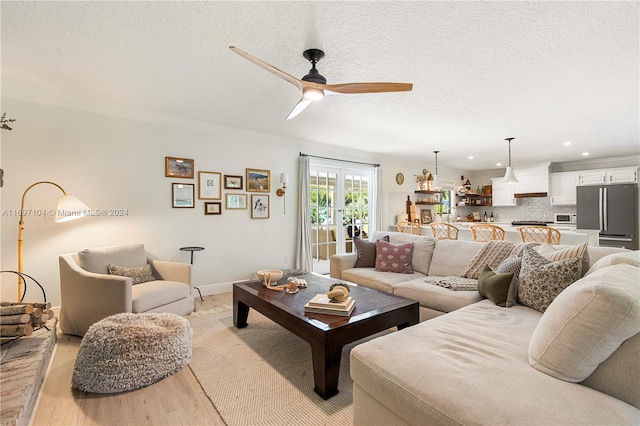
337,159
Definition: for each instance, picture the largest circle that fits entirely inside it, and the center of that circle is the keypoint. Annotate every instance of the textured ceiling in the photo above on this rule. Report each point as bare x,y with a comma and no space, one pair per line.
543,72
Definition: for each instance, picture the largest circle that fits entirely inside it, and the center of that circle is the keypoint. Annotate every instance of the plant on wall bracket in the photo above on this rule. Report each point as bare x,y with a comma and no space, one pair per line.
4,120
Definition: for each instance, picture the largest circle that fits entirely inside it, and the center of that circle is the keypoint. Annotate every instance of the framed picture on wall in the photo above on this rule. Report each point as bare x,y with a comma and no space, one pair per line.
178,167
232,182
236,202
182,195
209,185
213,208
426,216
259,206
258,180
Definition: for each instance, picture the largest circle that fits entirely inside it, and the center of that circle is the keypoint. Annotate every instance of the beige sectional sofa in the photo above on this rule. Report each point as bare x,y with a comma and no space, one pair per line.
485,364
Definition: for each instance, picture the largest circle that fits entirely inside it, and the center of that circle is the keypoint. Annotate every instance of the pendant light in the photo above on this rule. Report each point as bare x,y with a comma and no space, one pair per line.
436,178
509,176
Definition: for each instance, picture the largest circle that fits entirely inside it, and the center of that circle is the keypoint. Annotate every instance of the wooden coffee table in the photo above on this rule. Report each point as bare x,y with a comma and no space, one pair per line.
327,334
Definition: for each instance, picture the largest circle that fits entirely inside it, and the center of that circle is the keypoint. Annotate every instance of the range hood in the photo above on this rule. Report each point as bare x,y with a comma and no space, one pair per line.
530,195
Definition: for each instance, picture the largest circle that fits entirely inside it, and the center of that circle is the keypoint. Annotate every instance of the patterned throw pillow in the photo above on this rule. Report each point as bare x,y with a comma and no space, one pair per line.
511,265
541,280
394,257
554,254
496,287
366,252
492,254
138,274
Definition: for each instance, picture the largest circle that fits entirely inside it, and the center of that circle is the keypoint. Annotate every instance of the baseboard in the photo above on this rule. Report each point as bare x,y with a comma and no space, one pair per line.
217,288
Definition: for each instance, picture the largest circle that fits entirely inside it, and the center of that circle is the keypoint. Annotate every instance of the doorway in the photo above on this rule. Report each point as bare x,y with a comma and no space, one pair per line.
340,210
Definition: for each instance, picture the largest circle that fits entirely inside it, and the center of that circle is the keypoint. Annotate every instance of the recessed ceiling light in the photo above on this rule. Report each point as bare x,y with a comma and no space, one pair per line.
585,154
498,164
471,157
567,143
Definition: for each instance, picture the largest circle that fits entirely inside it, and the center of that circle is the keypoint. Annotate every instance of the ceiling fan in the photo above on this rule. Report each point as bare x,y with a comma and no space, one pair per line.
314,86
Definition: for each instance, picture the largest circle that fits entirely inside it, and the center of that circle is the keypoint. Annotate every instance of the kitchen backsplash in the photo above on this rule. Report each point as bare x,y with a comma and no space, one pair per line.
537,208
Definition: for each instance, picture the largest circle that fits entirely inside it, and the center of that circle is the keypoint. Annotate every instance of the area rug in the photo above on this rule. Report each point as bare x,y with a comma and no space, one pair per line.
263,374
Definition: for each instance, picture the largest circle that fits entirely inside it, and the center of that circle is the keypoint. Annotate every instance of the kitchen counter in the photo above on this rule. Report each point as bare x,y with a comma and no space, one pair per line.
568,233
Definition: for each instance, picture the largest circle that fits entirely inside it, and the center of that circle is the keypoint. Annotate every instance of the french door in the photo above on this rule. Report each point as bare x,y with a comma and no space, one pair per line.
340,210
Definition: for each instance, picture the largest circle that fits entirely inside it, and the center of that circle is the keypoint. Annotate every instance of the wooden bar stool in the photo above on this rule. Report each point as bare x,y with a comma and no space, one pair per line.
444,231
539,234
410,228
486,232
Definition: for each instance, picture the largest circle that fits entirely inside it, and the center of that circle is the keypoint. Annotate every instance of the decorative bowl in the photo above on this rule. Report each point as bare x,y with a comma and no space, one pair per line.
274,274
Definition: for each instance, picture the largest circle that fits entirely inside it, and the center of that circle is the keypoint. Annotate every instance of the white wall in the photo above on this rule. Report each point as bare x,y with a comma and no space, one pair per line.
111,162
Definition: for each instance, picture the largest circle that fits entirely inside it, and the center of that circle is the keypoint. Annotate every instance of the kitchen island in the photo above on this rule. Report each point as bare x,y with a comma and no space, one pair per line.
569,235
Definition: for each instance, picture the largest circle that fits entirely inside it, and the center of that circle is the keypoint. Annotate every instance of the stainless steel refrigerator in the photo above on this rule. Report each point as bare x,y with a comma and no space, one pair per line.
613,210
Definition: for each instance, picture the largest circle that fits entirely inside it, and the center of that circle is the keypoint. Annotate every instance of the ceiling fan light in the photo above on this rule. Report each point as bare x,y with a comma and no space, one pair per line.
509,176
312,93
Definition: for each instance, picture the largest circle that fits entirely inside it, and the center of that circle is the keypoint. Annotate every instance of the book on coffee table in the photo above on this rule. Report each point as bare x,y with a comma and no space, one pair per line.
321,304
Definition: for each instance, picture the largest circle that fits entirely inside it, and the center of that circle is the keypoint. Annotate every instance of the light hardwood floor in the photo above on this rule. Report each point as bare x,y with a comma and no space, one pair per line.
175,400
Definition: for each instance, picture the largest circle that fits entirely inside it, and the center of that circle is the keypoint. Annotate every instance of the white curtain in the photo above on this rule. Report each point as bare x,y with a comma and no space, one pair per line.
375,224
304,259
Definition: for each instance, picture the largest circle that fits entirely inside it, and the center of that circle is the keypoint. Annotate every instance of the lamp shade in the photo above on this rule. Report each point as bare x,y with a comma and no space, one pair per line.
284,178
436,182
69,208
509,176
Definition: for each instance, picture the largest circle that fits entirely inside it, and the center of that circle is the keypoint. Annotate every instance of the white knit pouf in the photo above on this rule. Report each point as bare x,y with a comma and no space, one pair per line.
129,351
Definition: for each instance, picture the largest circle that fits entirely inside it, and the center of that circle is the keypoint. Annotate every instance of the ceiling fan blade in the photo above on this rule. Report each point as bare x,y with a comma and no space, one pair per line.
355,88
300,106
273,70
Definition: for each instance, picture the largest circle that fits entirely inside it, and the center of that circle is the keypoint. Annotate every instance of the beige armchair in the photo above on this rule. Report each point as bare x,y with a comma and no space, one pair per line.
90,294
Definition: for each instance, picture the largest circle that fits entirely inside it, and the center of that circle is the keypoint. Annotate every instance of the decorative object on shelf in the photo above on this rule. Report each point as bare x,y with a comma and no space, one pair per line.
259,206
182,195
69,207
209,185
232,182
509,176
424,180
178,167
213,208
338,292
436,179
258,180
467,184
236,201
284,179
399,178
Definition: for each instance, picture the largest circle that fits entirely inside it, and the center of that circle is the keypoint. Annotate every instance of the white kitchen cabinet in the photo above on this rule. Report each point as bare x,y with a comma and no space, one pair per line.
609,176
502,192
563,188
625,175
593,177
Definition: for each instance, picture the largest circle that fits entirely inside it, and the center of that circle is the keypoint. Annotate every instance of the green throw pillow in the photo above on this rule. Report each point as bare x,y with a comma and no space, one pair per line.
495,287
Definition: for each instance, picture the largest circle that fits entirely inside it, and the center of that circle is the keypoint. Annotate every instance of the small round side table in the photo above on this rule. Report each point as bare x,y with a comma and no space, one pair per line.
192,249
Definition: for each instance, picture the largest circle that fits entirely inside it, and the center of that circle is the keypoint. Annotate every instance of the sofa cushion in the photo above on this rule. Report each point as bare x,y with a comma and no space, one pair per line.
366,252
153,294
422,254
496,287
96,259
394,257
541,280
630,257
383,281
492,254
435,297
435,372
138,274
586,323
451,256
556,253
